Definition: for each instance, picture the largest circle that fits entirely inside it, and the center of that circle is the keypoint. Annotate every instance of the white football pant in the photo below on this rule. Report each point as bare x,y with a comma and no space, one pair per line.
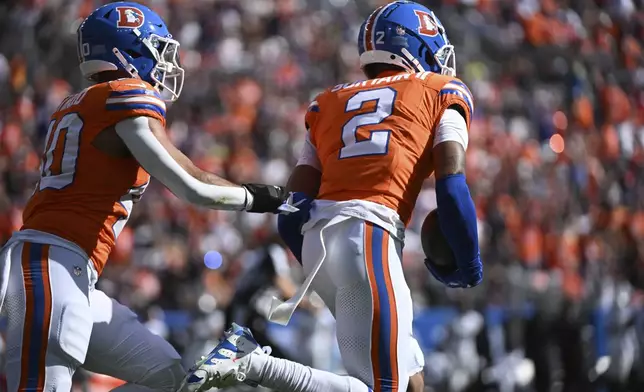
58,321
361,281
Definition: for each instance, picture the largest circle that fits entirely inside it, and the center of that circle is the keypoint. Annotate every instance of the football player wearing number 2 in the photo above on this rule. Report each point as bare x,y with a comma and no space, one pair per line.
370,146
101,148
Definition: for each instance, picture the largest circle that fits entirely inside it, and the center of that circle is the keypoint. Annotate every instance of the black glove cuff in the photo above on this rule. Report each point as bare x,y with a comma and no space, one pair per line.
266,198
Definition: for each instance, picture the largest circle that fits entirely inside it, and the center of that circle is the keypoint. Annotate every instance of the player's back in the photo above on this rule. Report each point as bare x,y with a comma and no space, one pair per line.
374,137
85,195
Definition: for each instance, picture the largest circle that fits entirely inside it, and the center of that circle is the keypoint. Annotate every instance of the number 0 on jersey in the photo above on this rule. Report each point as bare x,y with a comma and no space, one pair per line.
61,152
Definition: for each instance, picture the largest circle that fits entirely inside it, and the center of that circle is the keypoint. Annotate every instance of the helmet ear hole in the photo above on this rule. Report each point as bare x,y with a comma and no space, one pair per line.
134,54
429,58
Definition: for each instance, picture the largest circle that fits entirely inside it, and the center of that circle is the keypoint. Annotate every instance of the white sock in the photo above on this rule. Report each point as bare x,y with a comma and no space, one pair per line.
283,375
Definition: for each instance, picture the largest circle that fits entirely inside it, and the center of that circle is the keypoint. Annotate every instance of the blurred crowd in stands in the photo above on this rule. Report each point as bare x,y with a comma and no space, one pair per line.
555,164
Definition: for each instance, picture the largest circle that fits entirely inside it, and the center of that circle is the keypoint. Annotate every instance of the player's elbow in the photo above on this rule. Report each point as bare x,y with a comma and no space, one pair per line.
305,179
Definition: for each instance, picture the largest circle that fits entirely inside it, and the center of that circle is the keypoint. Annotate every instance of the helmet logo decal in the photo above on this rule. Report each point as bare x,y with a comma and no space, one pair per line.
129,17
428,25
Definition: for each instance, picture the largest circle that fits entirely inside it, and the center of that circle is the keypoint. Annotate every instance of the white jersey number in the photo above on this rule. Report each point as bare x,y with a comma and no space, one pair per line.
61,152
378,142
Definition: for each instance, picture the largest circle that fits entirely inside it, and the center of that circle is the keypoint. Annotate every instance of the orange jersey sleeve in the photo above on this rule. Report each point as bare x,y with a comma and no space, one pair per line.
85,195
446,91
131,98
312,112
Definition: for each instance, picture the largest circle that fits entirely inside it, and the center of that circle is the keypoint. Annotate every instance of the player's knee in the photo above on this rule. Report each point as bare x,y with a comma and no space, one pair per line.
416,383
165,379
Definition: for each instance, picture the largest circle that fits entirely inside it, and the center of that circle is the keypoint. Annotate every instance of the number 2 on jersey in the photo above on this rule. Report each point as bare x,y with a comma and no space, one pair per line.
378,142
61,152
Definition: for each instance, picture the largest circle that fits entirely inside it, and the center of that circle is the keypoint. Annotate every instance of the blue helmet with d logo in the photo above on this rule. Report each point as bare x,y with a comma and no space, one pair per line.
408,35
131,37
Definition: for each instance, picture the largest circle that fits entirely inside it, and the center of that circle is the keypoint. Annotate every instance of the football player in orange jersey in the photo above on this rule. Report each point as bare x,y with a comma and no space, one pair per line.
102,146
369,148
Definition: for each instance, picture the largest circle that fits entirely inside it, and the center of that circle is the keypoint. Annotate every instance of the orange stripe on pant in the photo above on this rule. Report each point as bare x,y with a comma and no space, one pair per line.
384,324
35,267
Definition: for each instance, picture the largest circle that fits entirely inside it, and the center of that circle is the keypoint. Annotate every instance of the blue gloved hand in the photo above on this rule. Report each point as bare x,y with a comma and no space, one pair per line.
464,277
457,220
289,225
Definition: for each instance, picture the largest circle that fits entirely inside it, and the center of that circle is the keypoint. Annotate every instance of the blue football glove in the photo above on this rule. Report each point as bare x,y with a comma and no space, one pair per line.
289,225
469,276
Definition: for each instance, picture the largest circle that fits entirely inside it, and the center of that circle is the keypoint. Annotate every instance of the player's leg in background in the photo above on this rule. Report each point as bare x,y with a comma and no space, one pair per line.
124,348
361,277
259,325
416,383
47,310
417,378
241,311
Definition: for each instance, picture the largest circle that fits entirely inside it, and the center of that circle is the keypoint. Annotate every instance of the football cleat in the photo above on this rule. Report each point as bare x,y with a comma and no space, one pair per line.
227,364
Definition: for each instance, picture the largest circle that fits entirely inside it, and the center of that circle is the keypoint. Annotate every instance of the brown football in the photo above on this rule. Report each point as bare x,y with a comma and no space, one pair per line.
435,245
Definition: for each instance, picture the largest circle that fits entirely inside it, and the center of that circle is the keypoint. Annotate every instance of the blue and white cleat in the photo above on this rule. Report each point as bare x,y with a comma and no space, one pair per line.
227,364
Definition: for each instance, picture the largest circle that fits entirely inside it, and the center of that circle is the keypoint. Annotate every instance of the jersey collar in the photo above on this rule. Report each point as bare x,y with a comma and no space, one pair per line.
390,72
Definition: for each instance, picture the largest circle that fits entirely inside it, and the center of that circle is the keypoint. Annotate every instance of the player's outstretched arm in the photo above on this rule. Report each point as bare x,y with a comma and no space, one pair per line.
147,141
456,211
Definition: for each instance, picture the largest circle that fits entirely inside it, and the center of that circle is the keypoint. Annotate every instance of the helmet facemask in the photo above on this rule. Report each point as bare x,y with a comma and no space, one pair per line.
445,58
167,73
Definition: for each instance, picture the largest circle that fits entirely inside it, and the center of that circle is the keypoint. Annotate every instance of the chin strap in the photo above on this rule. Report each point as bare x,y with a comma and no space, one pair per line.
128,67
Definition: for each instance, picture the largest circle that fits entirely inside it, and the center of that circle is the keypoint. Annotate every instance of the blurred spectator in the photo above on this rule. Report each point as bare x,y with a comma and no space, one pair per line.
555,164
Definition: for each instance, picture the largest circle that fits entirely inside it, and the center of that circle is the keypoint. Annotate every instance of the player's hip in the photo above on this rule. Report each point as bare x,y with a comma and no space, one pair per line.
45,286
326,213
399,200
35,254
350,250
94,243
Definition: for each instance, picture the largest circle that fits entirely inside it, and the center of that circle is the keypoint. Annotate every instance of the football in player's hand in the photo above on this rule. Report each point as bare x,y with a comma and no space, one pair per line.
435,244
